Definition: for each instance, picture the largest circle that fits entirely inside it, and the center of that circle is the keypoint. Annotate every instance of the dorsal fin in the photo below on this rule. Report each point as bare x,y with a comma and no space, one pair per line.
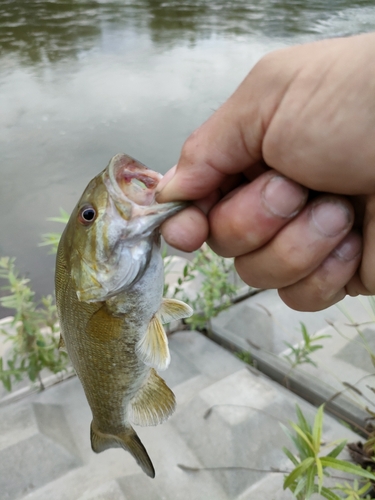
153,403
153,349
172,309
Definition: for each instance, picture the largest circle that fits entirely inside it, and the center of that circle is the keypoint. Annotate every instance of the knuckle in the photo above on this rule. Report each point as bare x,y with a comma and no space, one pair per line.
189,148
292,261
269,63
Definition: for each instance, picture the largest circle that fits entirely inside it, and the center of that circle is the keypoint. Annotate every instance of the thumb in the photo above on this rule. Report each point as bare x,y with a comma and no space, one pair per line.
229,142
211,153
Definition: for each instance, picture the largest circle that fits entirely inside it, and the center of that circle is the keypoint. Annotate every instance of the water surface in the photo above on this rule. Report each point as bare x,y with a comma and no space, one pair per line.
83,80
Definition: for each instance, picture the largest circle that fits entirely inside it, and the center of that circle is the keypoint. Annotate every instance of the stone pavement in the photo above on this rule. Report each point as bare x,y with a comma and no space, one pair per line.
45,451
344,375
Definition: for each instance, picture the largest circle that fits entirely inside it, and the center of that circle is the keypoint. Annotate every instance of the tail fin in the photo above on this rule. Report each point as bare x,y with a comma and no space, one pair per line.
128,440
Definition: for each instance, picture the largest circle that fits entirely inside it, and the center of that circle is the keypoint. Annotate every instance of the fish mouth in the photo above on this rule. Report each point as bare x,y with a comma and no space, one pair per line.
132,187
129,183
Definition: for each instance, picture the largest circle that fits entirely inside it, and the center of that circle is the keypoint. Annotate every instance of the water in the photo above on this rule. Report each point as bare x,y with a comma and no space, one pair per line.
83,80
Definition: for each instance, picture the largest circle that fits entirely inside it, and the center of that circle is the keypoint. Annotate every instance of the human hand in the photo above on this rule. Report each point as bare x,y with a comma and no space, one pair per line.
308,112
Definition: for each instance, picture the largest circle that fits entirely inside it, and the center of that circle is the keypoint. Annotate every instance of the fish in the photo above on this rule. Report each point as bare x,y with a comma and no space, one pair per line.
109,295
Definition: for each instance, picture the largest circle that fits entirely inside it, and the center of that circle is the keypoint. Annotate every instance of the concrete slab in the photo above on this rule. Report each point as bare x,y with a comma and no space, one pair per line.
240,436
345,364
110,490
264,321
262,324
36,446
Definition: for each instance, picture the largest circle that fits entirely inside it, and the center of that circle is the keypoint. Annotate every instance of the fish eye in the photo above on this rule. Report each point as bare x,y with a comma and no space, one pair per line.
87,215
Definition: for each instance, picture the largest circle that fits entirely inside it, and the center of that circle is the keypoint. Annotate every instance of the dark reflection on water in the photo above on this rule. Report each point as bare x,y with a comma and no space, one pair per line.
44,30
50,30
83,80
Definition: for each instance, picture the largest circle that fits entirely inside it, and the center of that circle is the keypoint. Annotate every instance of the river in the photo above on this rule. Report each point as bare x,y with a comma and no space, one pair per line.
83,80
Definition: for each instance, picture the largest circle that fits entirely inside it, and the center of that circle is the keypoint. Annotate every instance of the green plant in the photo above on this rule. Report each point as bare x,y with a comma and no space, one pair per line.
310,466
33,332
354,491
301,353
52,239
216,292
245,356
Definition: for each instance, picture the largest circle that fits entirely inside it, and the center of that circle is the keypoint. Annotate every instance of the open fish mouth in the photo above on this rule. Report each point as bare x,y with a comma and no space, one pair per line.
132,187
130,182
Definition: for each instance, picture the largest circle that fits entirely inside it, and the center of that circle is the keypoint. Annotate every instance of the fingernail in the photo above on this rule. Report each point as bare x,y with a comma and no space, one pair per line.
330,217
349,248
283,197
165,180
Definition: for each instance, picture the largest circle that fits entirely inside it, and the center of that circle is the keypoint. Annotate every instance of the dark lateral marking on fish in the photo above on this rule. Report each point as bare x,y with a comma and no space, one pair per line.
103,326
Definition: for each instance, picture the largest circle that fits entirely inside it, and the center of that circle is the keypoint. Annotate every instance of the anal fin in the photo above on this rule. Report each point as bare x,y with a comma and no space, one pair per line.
127,440
153,403
152,348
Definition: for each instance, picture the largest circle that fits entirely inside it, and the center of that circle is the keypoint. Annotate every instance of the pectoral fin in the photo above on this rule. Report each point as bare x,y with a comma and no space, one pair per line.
153,349
153,403
172,309
127,440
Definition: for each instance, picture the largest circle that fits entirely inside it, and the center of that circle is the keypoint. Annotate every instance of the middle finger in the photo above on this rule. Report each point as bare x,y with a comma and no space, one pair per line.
301,246
251,215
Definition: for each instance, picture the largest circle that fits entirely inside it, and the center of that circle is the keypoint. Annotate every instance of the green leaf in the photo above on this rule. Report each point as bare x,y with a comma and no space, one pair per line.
305,334
310,482
314,348
7,383
297,472
319,337
319,469
32,372
301,486
317,428
305,426
336,451
64,217
287,432
289,345
290,455
344,466
302,435
329,495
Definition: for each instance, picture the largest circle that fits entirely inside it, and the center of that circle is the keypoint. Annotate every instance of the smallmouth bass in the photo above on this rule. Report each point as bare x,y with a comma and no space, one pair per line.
109,285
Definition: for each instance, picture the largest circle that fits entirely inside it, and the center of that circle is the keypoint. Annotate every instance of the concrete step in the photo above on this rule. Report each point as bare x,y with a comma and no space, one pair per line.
262,324
239,438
